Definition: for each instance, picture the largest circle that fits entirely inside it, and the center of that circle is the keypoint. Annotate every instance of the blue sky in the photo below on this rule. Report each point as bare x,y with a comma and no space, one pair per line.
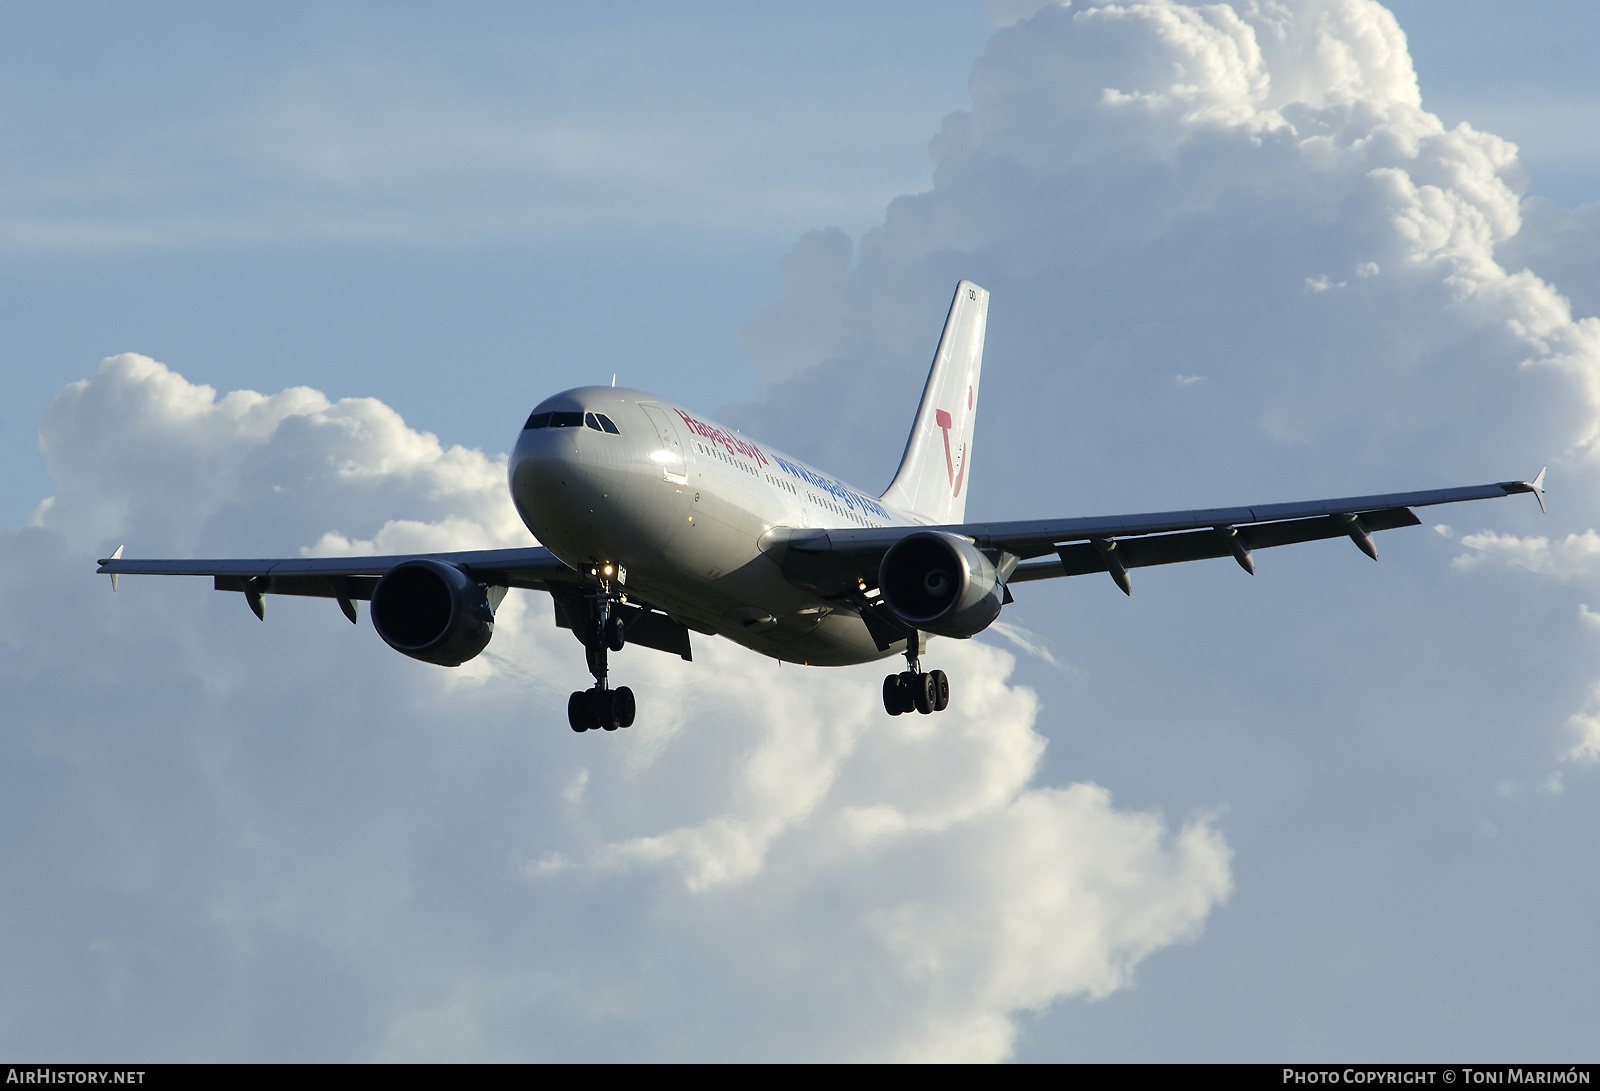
1337,810
316,196
155,201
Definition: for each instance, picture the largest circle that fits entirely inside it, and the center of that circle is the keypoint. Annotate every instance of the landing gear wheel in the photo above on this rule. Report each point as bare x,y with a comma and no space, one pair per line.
894,702
603,701
615,634
622,706
908,690
941,690
580,710
924,692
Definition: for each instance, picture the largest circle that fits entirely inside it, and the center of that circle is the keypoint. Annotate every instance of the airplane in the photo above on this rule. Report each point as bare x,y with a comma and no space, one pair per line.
656,522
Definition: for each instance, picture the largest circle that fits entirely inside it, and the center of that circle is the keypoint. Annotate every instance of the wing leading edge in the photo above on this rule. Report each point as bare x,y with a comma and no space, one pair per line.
533,567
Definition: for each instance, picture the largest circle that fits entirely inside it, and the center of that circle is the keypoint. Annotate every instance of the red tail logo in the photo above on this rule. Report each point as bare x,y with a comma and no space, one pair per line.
942,419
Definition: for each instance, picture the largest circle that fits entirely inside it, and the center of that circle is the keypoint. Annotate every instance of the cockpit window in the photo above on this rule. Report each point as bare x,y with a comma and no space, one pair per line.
598,421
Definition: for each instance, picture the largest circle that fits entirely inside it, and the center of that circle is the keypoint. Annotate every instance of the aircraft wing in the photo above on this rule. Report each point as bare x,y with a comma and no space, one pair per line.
346,579
841,561
353,577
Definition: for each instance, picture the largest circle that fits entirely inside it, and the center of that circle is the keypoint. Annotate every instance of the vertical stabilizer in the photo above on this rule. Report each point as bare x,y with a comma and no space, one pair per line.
934,471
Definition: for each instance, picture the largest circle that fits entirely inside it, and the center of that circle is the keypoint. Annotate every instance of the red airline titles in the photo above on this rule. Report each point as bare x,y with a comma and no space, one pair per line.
732,443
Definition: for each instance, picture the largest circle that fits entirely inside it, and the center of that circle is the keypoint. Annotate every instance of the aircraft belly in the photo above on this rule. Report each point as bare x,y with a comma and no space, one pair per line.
835,639
798,628
707,548
720,578
719,568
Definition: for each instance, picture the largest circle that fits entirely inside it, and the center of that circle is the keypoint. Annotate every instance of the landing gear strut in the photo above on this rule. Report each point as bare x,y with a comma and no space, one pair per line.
912,690
601,707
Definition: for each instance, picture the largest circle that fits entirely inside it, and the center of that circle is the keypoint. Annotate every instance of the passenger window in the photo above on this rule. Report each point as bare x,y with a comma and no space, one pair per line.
537,420
605,422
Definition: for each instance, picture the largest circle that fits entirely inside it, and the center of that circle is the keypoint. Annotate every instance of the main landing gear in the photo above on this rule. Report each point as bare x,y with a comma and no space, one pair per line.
602,708
911,690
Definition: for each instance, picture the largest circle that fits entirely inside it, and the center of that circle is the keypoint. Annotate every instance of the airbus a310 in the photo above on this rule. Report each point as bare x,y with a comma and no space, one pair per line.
656,522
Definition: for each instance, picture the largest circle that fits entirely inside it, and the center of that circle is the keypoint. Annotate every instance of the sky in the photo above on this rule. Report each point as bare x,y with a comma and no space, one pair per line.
285,284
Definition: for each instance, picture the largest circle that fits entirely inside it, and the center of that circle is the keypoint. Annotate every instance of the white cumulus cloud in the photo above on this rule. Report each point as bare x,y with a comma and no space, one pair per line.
1249,192
1573,556
764,866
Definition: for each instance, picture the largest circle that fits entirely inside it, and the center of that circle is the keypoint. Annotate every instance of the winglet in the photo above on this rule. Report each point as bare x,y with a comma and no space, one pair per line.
117,556
1536,486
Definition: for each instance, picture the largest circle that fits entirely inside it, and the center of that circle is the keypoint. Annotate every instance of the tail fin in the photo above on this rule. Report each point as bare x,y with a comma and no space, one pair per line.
933,474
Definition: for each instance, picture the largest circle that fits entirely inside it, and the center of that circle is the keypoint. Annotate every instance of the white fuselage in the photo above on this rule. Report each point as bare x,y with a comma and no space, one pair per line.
686,506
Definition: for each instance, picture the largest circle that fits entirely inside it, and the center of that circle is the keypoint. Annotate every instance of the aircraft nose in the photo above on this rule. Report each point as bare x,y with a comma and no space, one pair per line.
543,461
565,475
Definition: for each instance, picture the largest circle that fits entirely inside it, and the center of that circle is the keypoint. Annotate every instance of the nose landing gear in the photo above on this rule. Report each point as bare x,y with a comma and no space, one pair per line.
913,691
601,707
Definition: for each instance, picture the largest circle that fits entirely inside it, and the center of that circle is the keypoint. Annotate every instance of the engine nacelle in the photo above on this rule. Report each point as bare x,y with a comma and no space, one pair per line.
432,611
940,583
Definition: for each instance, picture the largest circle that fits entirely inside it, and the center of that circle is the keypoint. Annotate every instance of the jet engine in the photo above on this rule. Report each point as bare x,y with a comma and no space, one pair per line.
940,583
432,611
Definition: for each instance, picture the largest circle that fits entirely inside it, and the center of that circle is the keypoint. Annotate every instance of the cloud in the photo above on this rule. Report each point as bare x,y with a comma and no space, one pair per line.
256,825
247,470
1252,193
1161,188
1585,748
1575,556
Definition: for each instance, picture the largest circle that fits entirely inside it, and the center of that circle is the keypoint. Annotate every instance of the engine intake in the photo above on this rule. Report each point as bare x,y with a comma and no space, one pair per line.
940,583
432,611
